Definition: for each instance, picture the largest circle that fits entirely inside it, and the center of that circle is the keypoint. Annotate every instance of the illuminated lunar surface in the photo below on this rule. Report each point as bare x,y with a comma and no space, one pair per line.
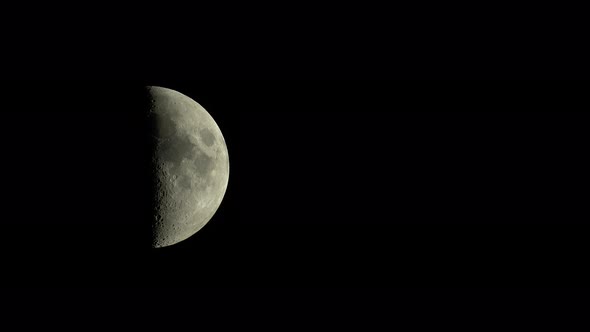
191,166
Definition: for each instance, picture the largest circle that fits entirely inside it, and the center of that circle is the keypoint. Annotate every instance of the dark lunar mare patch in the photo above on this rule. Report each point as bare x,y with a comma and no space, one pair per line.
203,163
207,137
175,149
185,182
166,126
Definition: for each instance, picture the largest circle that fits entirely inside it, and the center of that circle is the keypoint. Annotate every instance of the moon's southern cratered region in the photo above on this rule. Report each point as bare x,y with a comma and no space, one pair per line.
191,166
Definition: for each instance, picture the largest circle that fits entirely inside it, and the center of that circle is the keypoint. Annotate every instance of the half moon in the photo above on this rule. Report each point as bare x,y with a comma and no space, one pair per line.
191,166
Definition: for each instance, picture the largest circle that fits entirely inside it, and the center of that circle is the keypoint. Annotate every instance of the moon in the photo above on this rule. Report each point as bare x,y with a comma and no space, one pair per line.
191,166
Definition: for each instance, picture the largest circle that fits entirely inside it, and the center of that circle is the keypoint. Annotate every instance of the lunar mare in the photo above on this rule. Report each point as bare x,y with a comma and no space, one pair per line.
191,166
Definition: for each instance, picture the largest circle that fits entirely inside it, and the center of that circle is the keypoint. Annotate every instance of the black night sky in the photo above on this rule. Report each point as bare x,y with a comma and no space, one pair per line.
419,164
332,183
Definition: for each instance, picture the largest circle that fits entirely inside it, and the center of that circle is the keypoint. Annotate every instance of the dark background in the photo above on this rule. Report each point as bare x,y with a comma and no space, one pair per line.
285,222
332,183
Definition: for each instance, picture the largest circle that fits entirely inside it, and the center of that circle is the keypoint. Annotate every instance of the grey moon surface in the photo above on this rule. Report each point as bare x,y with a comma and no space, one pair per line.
191,166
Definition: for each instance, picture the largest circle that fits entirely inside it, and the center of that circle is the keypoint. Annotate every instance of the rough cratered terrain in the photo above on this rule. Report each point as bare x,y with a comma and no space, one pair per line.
191,166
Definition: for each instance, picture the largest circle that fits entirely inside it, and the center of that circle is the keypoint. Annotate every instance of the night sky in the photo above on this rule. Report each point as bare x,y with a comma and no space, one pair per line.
417,165
332,183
